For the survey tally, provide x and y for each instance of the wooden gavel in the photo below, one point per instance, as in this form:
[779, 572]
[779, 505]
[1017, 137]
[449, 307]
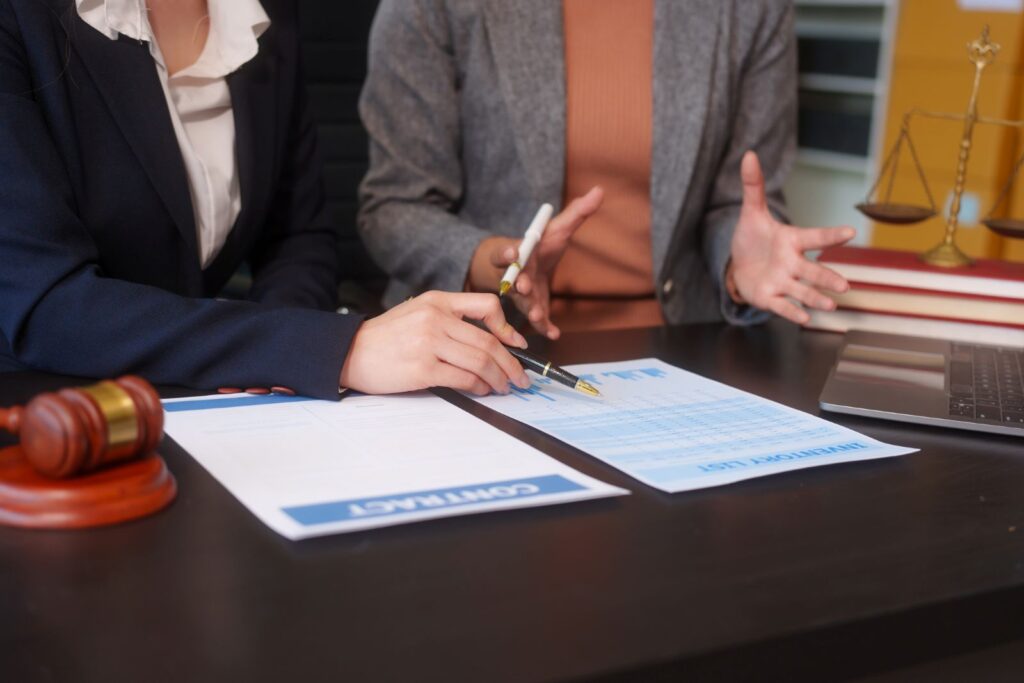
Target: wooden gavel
[74, 431]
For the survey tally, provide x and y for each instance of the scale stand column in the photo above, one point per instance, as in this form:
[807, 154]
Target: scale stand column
[946, 254]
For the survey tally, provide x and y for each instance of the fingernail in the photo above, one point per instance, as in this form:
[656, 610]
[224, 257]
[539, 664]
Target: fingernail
[524, 381]
[521, 340]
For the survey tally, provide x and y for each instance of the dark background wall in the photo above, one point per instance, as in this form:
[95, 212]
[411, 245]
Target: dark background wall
[334, 34]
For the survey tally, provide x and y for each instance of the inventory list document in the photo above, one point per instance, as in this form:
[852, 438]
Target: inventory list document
[677, 431]
[307, 467]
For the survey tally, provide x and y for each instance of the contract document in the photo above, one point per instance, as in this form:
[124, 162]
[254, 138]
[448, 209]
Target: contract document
[307, 467]
[677, 431]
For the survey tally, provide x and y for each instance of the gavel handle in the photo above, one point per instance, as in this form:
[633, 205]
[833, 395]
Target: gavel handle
[10, 419]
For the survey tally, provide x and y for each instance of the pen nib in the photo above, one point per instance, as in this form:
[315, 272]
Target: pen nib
[587, 388]
[504, 287]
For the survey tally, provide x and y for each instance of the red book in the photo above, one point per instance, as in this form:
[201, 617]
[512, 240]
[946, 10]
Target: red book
[987, 277]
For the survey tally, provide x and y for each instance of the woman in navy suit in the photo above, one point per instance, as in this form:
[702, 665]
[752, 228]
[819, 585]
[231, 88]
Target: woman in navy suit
[147, 149]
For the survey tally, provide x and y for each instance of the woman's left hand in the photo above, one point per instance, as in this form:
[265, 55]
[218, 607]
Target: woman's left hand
[768, 269]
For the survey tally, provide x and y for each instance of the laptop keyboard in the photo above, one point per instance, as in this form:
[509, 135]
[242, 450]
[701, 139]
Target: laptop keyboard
[985, 383]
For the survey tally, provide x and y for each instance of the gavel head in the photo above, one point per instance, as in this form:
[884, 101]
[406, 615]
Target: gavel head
[74, 431]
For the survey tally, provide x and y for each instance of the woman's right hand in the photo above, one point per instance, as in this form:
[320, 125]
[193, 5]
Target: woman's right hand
[425, 342]
[532, 291]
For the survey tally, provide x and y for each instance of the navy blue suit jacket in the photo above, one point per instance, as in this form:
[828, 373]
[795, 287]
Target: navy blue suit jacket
[99, 265]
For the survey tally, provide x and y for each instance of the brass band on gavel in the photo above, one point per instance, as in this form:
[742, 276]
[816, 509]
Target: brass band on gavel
[73, 431]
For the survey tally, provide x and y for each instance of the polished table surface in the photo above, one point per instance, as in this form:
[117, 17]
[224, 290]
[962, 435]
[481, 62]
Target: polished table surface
[827, 573]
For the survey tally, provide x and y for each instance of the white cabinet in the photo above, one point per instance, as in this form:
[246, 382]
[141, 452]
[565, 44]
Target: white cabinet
[844, 66]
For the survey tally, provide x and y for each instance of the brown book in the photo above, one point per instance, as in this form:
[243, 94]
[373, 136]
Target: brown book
[934, 328]
[931, 304]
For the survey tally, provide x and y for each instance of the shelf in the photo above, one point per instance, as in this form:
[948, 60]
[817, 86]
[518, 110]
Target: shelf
[840, 20]
[851, 85]
[832, 161]
[867, 29]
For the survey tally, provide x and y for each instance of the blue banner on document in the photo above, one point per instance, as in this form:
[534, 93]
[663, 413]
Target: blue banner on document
[233, 402]
[765, 461]
[430, 500]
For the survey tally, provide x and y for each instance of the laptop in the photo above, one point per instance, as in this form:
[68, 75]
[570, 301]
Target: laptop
[928, 381]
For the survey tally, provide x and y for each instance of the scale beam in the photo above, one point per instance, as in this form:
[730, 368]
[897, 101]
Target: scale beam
[933, 115]
[1000, 122]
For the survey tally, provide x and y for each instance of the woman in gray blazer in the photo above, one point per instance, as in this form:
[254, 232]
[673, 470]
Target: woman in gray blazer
[479, 111]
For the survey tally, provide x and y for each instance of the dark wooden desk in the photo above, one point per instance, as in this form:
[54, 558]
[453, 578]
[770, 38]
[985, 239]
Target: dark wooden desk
[822, 574]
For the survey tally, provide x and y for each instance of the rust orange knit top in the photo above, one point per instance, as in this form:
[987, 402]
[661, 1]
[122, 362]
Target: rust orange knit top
[605, 278]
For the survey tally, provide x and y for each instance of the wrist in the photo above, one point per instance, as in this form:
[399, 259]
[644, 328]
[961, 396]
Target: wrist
[344, 381]
[730, 285]
[348, 378]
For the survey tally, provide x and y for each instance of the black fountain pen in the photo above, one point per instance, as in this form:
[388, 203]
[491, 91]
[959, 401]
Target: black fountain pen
[545, 368]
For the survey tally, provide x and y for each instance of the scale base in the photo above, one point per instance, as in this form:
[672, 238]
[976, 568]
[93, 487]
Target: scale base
[947, 255]
[115, 494]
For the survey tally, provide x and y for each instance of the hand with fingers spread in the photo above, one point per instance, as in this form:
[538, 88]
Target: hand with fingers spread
[426, 343]
[532, 291]
[768, 269]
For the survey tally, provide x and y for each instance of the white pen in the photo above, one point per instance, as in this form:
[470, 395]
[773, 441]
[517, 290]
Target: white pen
[530, 239]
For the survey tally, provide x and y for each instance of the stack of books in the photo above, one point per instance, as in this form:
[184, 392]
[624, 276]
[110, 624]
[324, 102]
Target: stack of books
[896, 292]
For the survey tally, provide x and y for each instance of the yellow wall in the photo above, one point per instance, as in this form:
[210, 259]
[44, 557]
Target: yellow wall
[930, 71]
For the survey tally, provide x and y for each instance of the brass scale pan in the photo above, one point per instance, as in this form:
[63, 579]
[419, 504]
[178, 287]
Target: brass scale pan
[906, 214]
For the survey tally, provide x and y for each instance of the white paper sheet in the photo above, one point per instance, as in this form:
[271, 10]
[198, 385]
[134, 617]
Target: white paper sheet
[677, 431]
[307, 468]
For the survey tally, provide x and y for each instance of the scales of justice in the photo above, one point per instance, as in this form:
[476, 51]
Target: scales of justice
[981, 53]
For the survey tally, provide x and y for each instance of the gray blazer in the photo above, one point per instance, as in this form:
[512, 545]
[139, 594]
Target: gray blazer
[465, 107]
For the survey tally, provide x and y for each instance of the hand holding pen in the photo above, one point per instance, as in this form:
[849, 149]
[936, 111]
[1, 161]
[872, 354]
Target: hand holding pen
[533, 235]
[438, 339]
[530, 290]
[546, 368]
[541, 366]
